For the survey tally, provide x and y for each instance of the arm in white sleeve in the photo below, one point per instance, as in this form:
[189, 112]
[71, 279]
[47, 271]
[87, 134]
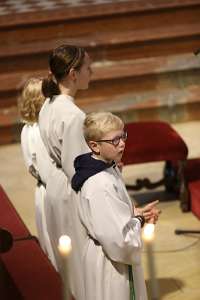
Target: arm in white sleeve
[73, 143]
[28, 145]
[112, 224]
[27, 155]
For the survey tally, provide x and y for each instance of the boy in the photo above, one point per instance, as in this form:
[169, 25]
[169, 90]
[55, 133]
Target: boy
[111, 257]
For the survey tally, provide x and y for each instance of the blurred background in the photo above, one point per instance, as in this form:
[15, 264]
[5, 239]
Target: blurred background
[144, 69]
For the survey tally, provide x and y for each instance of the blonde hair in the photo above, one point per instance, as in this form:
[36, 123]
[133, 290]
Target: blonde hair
[31, 100]
[97, 124]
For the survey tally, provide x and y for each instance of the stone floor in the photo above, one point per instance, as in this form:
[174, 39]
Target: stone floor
[176, 257]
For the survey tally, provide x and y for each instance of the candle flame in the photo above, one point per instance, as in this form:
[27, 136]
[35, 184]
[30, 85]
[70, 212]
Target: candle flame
[64, 245]
[148, 232]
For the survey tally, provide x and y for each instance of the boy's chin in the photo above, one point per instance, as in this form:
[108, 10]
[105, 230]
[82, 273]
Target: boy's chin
[118, 159]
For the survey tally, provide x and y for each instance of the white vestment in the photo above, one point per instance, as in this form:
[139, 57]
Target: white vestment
[114, 239]
[61, 123]
[35, 155]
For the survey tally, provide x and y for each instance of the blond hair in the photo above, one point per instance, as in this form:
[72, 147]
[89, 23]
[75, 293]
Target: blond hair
[31, 100]
[97, 124]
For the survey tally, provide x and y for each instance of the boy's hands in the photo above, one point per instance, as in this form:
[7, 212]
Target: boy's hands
[149, 211]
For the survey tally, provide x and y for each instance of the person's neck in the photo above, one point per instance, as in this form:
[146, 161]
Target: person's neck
[69, 91]
[98, 157]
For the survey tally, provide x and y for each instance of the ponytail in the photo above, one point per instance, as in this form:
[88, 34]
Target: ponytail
[61, 60]
[50, 87]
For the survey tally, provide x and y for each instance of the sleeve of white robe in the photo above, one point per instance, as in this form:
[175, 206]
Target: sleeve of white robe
[73, 142]
[109, 221]
[25, 146]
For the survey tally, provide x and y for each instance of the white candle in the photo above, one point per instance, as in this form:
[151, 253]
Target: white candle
[148, 236]
[65, 248]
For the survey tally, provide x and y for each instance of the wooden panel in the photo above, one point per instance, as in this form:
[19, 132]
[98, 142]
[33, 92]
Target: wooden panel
[141, 52]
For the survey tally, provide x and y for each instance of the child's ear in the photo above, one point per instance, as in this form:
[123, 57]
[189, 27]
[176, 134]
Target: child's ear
[94, 146]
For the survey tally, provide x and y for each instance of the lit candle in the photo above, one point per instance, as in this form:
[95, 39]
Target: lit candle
[148, 236]
[65, 248]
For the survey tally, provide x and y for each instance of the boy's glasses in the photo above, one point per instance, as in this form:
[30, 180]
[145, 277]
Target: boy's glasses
[116, 140]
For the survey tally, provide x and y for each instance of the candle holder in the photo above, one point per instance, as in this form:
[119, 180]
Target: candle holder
[7, 240]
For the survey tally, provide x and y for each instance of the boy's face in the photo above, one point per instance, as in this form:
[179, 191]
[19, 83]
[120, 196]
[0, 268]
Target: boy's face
[111, 146]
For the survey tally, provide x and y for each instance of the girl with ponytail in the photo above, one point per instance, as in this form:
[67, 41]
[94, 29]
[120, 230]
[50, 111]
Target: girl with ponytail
[61, 123]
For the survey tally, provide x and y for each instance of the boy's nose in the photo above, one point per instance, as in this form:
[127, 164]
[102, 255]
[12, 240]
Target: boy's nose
[122, 143]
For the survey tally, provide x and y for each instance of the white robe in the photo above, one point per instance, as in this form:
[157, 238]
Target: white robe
[107, 214]
[35, 155]
[61, 123]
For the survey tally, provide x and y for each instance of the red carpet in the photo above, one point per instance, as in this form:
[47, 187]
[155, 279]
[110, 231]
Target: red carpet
[26, 271]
